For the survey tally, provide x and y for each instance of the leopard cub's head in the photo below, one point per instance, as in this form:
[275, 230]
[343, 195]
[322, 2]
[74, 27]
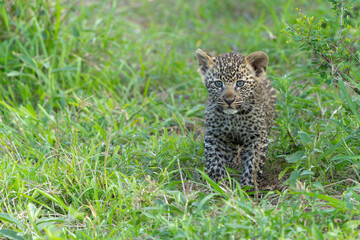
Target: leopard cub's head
[231, 77]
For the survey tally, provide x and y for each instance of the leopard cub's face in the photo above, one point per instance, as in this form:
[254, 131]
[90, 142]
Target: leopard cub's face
[231, 78]
[230, 85]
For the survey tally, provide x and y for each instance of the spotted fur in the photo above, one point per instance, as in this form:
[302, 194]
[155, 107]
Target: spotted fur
[238, 115]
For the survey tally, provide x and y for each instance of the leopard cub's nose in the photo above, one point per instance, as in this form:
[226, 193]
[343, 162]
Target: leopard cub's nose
[229, 101]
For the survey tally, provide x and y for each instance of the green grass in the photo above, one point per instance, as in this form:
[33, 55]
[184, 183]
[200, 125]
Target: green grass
[101, 120]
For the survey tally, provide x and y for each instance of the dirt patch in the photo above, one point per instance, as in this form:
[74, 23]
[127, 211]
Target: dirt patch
[270, 181]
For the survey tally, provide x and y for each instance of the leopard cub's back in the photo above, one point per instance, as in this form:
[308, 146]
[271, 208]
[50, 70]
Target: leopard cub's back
[269, 101]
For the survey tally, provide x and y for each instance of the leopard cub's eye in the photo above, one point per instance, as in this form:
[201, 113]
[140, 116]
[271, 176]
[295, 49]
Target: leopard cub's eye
[218, 83]
[240, 83]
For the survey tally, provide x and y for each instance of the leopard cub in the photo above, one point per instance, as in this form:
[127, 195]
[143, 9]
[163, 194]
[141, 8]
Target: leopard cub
[239, 113]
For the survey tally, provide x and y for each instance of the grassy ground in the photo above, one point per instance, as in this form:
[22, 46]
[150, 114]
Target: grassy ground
[101, 122]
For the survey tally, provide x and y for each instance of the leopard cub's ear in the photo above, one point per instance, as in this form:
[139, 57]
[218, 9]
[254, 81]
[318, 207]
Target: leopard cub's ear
[258, 60]
[205, 62]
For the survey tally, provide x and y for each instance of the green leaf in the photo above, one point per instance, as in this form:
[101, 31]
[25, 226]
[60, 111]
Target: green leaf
[8, 218]
[14, 73]
[347, 200]
[283, 172]
[336, 203]
[33, 211]
[45, 113]
[295, 157]
[304, 137]
[238, 226]
[57, 200]
[323, 75]
[50, 219]
[63, 69]
[334, 147]
[174, 208]
[10, 234]
[203, 201]
[116, 150]
[353, 224]
[100, 130]
[319, 186]
[306, 173]
[28, 60]
[316, 233]
[293, 177]
[46, 221]
[346, 157]
[216, 187]
[31, 111]
[349, 101]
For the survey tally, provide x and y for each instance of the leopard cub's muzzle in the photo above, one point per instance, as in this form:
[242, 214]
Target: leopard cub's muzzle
[228, 102]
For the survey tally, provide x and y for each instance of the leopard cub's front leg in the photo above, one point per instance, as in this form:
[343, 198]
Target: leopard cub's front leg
[253, 157]
[215, 166]
[219, 154]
